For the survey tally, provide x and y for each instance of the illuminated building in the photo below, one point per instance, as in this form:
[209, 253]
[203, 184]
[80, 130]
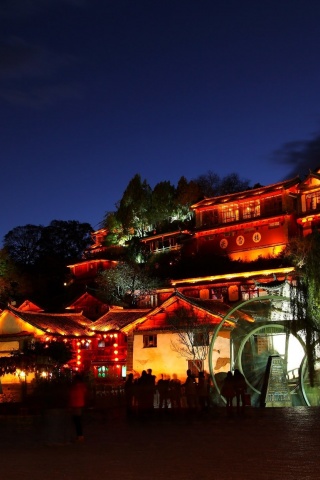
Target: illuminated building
[91, 306]
[247, 225]
[244, 226]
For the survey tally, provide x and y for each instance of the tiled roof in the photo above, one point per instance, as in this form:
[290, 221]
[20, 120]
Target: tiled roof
[215, 309]
[28, 306]
[221, 309]
[71, 324]
[116, 319]
[207, 202]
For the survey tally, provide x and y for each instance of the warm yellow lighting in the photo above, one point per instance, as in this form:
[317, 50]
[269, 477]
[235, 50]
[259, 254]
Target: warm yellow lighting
[234, 275]
[115, 352]
[115, 344]
[116, 359]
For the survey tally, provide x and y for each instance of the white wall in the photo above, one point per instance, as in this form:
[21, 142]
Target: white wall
[164, 360]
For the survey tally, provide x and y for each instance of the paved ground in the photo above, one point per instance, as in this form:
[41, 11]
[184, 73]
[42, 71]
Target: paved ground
[271, 443]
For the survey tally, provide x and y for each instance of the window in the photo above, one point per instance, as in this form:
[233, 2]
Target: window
[272, 204]
[200, 339]
[102, 372]
[313, 201]
[251, 209]
[210, 218]
[149, 341]
[230, 213]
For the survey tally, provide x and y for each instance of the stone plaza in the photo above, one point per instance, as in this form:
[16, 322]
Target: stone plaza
[265, 443]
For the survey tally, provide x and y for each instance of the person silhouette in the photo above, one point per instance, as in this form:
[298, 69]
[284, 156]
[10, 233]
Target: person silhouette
[240, 387]
[77, 401]
[129, 395]
[190, 388]
[228, 391]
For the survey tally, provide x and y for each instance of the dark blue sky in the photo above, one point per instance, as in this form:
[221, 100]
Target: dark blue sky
[94, 91]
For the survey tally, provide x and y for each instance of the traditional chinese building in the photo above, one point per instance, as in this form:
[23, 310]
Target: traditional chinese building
[156, 342]
[91, 306]
[309, 203]
[248, 225]
[21, 328]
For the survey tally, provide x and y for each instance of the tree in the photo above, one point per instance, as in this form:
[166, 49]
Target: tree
[43, 253]
[193, 335]
[212, 185]
[209, 184]
[30, 244]
[114, 229]
[135, 206]
[23, 244]
[304, 254]
[187, 193]
[232, 184]
[125, 284]
[51, 356]
[65, 240]
[162, 209]
[13, 282]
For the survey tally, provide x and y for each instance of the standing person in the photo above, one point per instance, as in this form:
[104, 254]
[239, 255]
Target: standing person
[190, 387]
[203, 393]
[150, 391]
[129, 396]
[77, 401]
[163, 389]
[228, 391]
[142, 395]
[175, 392]
[240, 390]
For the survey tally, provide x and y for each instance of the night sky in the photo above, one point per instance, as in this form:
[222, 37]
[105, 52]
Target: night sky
[94, 91]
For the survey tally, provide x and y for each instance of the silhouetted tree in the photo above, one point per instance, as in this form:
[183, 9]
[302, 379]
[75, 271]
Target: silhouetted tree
[23, 244]
[192, 333]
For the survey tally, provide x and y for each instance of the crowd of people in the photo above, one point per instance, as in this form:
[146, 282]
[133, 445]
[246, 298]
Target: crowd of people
[145, 393]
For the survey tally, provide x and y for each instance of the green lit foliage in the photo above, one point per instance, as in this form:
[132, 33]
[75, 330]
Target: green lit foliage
[134, 207]
[304, 254]
[125, 284]
[162, 206]
[165, 208]
[187, 193]
[115, 234]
